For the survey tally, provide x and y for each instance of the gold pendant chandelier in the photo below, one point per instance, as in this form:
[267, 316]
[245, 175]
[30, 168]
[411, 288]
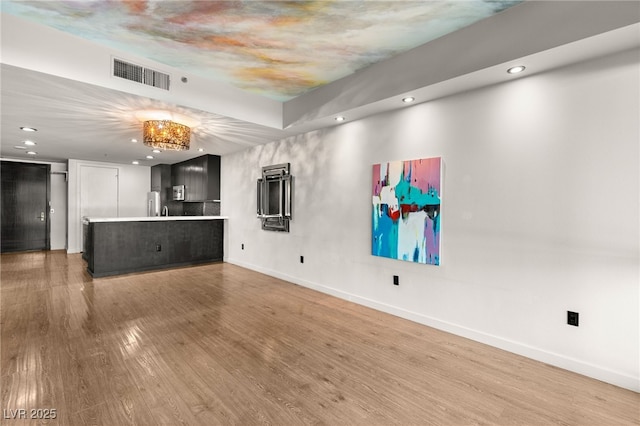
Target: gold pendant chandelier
[166, 134]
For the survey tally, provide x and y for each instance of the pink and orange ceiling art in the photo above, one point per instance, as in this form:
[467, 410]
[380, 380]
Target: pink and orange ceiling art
[279, 49]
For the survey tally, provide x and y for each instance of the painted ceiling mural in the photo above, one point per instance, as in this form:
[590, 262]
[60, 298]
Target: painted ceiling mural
[279, 49]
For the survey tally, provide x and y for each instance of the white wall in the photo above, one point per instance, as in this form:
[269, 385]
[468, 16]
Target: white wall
[539, 216]
[133, 184]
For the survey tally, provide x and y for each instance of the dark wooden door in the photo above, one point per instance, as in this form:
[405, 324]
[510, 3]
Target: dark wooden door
[24, 200]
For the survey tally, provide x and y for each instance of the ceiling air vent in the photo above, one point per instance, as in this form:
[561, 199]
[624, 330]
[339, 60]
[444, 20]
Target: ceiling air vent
[140, 74]
[156, 79]
[128, 71]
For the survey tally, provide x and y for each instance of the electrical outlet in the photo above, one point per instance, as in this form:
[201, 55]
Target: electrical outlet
[396, 280]
[158, 247]
[301, 259]
[573, 318]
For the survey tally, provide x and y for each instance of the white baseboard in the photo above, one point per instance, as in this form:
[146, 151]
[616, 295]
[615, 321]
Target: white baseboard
[557, 360]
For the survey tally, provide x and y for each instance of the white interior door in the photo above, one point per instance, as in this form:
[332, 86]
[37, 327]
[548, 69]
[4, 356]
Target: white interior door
[98, 193]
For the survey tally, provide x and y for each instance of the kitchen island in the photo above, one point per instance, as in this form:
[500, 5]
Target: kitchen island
[123, 245]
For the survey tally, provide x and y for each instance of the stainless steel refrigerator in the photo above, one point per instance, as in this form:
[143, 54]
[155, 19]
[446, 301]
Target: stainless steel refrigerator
[153, 203]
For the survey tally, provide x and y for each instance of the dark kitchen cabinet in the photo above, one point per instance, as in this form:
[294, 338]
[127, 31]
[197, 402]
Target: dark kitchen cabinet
[194, 178]
[162, 182]
[122, 247]
[177, 174]
[200, 176]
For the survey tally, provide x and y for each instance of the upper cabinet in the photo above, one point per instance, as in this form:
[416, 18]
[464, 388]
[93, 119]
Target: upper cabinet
[200, 176]
[161, 182]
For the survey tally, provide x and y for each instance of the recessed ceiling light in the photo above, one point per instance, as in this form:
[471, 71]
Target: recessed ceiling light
[408, 99]
[156, 151]
[149, 157]
[31, 152]
[134, 140]
[340, 118]
[135, 162]
[200, 149]
[29, 143]
[516, 70]
[29, 129]
[20, 147]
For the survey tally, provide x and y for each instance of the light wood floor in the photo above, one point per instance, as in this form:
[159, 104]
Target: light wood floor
[218, 344]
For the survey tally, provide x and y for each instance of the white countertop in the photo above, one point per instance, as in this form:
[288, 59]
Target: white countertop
[151, 218]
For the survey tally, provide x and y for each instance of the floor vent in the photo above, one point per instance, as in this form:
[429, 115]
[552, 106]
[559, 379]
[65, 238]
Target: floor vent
[139, 74]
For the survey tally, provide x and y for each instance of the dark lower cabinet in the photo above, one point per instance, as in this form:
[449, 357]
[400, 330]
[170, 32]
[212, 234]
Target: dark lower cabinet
[113, 248]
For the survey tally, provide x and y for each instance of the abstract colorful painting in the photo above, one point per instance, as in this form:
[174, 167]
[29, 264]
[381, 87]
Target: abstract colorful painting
[406, 210]
[279, 49]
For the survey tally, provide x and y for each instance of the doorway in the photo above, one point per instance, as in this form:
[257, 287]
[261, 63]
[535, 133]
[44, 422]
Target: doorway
[24, 199]
[98, 193]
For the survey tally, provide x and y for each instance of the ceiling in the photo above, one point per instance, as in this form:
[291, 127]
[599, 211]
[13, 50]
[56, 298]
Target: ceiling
[261, 46]
[248, 73]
